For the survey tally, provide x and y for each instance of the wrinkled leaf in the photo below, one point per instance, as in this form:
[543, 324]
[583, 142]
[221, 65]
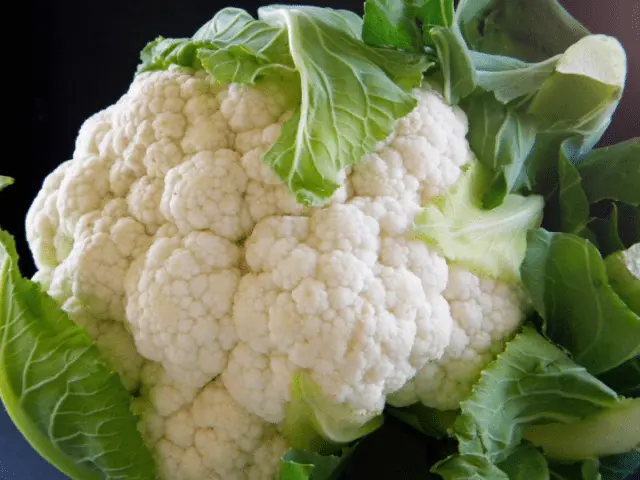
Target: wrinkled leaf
[613, 173]
[533, 383]
[501, 140]
[346, 95]
[57, 389]
[235, 27]
[567, 281]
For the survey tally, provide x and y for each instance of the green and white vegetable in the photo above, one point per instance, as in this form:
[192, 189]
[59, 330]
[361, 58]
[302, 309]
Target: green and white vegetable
[295, 229]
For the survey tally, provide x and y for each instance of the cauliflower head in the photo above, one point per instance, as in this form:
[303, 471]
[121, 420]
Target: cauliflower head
[486, 314]
[209, 288]
[204, 434]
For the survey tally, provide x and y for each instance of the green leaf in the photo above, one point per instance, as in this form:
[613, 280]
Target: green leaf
[613, 173]
[566, 279]
[393, 24]
[429, 421]
[237, 64]
[315, 61]
[401, 23]
[303, 465]
[619, 467]
[161, 53]
[459, 75]
[488, 242]
[417, 26]
[57, 389]
[574, 205]
[527, 30]
[233, 27]
[347, 93]
[525, 463]
[501, 140]
[314, 423]
[229, 29]
[624, 379]
[575, 102]
[509, 78]
[468, 467]
[5, 182]
[611, 431]
[532, 382]
[623, 270]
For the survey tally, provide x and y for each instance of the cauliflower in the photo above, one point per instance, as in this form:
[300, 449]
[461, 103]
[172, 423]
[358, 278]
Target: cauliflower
[210, 289]
[320, 298]
[203, 434]
[486, 314]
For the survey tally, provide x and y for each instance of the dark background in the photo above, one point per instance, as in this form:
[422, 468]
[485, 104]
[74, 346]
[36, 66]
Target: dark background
[82, 58]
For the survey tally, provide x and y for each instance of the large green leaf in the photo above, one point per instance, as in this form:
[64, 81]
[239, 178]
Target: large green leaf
[57, 389]
[613, 173]
[528, 30]
[531, 383]
[349, 102]
[567, 281]
[575, 102]
[502, 140]
[611, 431]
